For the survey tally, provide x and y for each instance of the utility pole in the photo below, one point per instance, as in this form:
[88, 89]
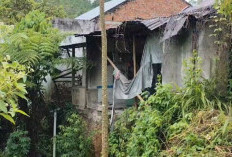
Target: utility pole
[105, 119]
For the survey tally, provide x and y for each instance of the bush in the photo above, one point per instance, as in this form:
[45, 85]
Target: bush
[144, 139]
[181, 121]
[136, 133]
[119, 138]
[18, 144]
[208, 134]
[74, 139]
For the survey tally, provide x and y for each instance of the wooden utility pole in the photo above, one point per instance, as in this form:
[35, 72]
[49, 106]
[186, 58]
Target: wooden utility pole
[105, 119]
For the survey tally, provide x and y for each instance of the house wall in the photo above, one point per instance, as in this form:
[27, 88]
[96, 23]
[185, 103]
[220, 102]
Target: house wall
[94, 83]
[214, 62]
[176, 50]
[180, 47]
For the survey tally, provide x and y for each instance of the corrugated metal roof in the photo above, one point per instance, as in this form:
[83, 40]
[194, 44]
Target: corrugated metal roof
[152, 24]
[90, 15]
[199, 11]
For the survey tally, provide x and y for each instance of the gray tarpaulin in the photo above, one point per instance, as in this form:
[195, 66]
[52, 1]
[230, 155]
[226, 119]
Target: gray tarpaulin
[128, 89]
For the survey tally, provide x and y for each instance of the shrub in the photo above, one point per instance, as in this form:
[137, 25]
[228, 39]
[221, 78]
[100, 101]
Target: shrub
[208, 134]
[181, 120]
[18, 144]
[74, 139]
[136, 133]
[122, 132]
[144, 139]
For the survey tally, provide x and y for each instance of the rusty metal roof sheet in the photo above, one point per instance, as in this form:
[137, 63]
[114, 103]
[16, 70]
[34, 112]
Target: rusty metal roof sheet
[176, 23]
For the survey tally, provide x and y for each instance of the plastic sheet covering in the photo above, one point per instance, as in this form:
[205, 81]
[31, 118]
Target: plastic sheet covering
[152, 54]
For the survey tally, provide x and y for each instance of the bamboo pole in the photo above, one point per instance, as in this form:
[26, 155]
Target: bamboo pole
[105, 119]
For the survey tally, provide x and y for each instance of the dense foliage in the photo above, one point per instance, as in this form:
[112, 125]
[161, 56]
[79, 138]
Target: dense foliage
[12, 86]
[18, 144]
[74, 8]
[35, 43]
[12, 11]
[204, 133]
[178, 121]
[73, 139]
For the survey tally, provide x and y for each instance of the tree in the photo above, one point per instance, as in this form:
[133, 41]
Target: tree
[12, 11]
[12, 86]
[73, 8]
[35, 44]
[105, 119]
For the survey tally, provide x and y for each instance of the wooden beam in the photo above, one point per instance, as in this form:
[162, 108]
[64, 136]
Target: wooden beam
[84, 70]
[68, 52]
[73, 71]
[62, 75]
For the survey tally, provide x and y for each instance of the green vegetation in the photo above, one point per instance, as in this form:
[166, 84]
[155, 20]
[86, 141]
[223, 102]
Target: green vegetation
[32, 43]
[181, 121]
[18, 144]
[12, 11]
[74, 8]
[35, 43]
[12, 86]
[193, 120]
[74, 139]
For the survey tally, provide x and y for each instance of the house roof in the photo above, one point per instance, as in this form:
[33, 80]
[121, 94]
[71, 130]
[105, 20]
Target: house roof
[146, 9]
[136, 9]
[175, 23]
[90, 15]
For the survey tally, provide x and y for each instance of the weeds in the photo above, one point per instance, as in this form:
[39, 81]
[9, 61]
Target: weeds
[182, 121]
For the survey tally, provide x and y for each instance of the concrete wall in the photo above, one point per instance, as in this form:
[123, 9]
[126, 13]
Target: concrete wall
[176, 50]
[180, 47]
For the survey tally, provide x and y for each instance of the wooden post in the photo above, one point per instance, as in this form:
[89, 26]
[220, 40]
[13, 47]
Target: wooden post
[84, 72]
[105, 118]
[135, 69]
[134, 56]
[73, 70]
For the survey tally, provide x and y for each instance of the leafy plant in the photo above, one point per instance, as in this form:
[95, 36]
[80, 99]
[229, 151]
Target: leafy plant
[12, 86]
[193, 94]
[73, 139]
[18, 144]
[207, 134]
[119, 138]
[44, 145]
[164, 118]
[144, 139]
